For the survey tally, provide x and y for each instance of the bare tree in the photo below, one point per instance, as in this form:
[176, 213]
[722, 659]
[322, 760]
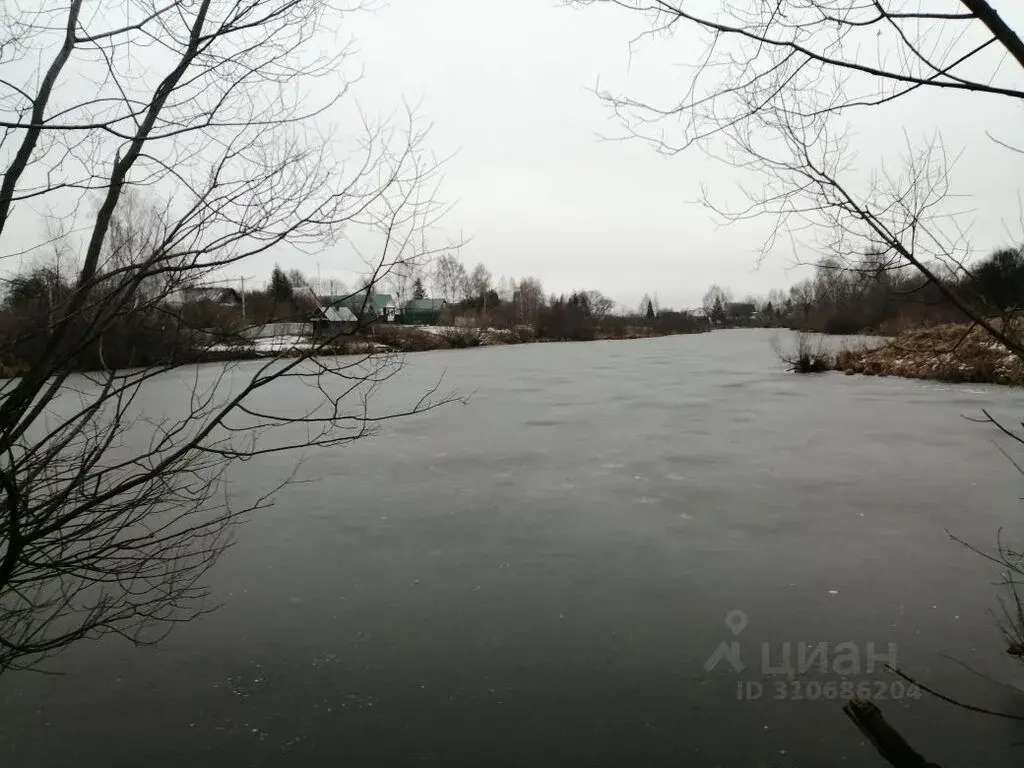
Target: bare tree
[529, 298]
[777, 88]
[113, 500]
[777, 298]
[463, 287]
[297, 278]
[400, 282]
[802, 296]
[480, 283]
[449, 277]
[600, 305]
[506, 288]
[645, 303]
[715, 301]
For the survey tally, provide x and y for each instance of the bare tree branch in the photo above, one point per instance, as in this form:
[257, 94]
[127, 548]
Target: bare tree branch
[197, 150]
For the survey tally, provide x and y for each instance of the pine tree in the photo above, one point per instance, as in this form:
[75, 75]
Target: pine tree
[280, 285]
[650, 310]
[718, 310]
[418, 291]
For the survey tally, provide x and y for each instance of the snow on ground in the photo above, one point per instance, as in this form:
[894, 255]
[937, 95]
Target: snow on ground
[436, 330]
[271, 345]
[276, 345]
[440, 330]
[284, 343]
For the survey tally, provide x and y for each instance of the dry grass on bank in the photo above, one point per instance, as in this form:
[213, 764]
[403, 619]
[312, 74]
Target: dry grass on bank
[953, 352]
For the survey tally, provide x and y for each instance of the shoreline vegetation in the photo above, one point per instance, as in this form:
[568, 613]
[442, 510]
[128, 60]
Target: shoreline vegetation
[375, 339]
[402, 339]
[171, 324]
[950, 352]
[953, 352]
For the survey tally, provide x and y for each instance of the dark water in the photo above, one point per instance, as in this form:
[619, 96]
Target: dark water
[538, 578]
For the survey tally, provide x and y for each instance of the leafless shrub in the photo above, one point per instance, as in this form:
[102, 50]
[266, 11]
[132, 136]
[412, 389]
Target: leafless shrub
[407, 339]
[808, 356]
[461, 338]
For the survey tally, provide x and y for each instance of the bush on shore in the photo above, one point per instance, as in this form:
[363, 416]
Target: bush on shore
[404, 339]
[462, 338]
[808, 356]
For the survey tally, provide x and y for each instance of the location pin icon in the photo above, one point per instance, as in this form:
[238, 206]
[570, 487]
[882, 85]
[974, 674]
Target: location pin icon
[736, 621]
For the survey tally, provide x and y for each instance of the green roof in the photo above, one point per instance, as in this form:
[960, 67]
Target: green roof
[424, 305]
[359, 301]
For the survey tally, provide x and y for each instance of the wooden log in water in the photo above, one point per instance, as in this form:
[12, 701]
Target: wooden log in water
[890, 745]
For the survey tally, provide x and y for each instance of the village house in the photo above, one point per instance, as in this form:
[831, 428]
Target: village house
[423, 311]
[223, 297]
[377, 307]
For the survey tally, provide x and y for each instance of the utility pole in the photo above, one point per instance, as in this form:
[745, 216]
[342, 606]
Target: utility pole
[243, 278]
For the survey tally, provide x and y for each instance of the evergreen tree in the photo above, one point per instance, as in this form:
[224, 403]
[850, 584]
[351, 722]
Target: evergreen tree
[718, 310]
[649, 314]
[418, 291]
[280, 285]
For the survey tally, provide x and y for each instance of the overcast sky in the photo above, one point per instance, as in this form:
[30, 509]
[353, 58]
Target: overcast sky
[508, 87]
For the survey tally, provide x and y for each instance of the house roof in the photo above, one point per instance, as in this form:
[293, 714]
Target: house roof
[198, 293]
[338, 315]
[425, 305]
[357, 301]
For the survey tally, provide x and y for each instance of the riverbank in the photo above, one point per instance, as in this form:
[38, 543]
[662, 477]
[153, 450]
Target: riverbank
[379, 339]
[954, 352]
[399, 338]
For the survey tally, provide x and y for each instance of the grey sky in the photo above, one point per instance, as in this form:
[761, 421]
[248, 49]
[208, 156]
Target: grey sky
[537, 190]
[507, 87]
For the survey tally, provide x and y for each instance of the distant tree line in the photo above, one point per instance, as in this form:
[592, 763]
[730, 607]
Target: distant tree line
[586, 315]
[875, 292]
[869, 292]
[127, 323]
[170, 321]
